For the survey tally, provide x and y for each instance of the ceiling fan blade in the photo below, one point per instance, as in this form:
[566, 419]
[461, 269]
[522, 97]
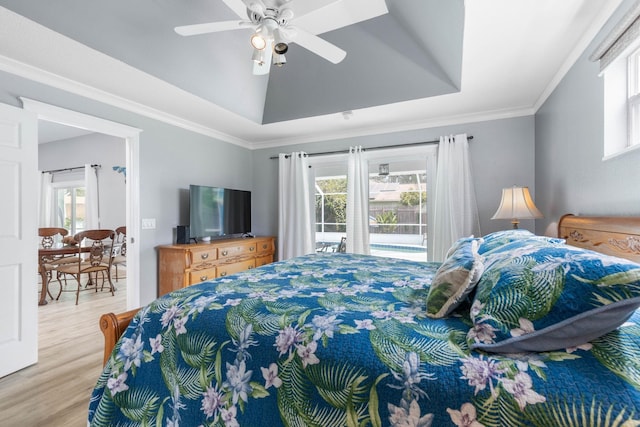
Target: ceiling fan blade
[238, 6]
[304, 7]
[336, 14]
[257, 7]
[211, 27]
[320, 47]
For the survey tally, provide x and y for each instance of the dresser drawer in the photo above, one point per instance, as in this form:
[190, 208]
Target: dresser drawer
[203, 255]
[265, 247]
[198, 276]
[236, 267]
[264, 260]
[237, 250]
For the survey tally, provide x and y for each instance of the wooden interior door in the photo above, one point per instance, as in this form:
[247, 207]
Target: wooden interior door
[18, 239]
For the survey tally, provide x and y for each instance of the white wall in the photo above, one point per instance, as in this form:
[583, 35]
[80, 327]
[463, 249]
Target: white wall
[105, 150]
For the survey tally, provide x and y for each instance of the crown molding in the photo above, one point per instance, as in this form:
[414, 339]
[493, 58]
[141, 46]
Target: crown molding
[401, 127]
[579, 49]
[39, 75]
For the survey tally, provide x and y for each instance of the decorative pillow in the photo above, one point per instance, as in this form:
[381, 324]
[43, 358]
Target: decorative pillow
[456, 277]
[499, 238]
[536, 296]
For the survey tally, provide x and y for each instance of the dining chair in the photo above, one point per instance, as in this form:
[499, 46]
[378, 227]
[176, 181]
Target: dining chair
[95, 255]
[49, 238]
[120, 249]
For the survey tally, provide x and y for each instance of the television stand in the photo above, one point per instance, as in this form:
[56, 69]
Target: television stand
[183, 265]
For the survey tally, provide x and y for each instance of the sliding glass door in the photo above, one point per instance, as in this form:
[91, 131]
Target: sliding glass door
[69, 205]
[398, 204]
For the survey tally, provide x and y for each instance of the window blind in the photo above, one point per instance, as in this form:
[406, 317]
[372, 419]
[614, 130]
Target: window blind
[625, 33]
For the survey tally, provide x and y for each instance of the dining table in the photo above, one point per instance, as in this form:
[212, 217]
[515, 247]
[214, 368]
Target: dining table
[48, 255]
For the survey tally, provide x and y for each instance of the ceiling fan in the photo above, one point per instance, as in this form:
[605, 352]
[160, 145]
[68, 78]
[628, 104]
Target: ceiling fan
[275, 25]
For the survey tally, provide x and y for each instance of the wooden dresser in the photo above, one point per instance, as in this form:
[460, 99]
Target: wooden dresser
[184, 265]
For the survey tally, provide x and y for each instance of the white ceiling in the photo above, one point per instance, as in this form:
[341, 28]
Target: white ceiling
[514, 52]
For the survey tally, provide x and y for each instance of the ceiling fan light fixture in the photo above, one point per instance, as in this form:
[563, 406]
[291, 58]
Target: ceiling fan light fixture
[258, 41]
[279, 59]
[280, 46]
[258, 56]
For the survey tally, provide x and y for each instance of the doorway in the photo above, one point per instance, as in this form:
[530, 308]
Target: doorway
[74, 119]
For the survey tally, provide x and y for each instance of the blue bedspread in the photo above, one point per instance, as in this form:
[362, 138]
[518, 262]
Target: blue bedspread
[343, 340]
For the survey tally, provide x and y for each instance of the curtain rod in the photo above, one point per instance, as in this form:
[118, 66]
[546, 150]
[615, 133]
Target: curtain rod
[409, 144]
[71, 169]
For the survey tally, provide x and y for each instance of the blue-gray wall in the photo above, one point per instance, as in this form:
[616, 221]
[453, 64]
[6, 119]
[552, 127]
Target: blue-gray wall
[571, 176]
[502, 154]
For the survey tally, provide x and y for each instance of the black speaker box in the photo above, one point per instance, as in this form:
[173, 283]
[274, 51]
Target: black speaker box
[182, 234]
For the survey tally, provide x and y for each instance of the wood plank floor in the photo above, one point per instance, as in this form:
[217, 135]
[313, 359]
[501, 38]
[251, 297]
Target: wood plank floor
[56, 391]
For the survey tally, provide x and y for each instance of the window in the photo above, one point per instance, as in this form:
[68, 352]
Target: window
[619, 57]
[397, 208]
[633, 98]
[69, 205]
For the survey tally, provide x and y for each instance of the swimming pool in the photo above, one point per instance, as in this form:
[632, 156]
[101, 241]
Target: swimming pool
[397, 248]
[389, 250]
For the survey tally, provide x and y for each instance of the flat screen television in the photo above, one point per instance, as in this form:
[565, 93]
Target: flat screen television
[216, 212]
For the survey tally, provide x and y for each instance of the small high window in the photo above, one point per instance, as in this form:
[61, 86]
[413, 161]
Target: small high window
[619, 58]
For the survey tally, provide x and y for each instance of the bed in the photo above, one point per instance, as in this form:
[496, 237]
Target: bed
[511, 329]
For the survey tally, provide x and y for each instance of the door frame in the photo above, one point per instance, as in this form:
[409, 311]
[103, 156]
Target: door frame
[131, 135]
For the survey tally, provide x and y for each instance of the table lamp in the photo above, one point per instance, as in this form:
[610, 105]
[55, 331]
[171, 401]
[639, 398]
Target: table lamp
[516, 204]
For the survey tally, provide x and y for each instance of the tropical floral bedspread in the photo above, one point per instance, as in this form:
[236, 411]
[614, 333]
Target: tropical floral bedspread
[343, 340]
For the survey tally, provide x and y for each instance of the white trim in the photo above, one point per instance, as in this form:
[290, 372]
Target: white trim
[621, 153]
[50, 79]
[131, 135]
[398, 127]
[52, 113]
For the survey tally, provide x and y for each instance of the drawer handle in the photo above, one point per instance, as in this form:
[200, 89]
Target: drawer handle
[204, 256]
[203, 278]
[223, 273]
[250, 267]
[251, 249]
[225, 253]
[264, 246]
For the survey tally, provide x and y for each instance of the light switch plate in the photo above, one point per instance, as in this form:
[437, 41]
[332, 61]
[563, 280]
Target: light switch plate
[148, 223]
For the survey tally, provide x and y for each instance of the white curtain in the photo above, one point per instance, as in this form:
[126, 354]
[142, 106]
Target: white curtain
[92, 201]
[45, 201]
[294, 223]
[357, 203]
[455, 208]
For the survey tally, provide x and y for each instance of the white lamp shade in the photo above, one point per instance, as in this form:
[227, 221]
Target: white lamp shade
[517, 204]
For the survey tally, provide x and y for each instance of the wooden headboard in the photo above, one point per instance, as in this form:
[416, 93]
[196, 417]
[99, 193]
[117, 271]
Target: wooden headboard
[611, 235]
[617, 236]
